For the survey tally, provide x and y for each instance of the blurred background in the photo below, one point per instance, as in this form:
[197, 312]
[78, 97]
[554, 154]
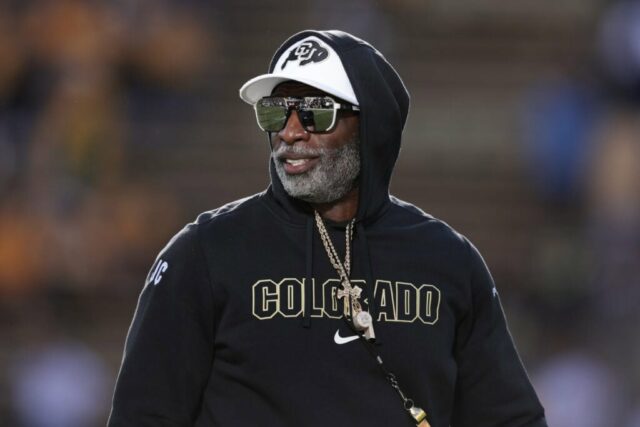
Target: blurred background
[120, 121]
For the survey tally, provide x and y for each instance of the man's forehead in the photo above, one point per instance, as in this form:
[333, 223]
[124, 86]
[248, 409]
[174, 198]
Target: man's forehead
[297, 89]
[294, 88]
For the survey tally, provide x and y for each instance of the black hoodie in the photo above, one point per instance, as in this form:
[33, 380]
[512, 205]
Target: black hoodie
[238, 323]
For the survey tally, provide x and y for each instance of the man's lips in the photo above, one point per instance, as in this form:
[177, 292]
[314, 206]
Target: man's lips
[296, 164]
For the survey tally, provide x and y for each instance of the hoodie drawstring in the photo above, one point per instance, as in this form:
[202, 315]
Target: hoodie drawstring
[306, 317]
[366, 264]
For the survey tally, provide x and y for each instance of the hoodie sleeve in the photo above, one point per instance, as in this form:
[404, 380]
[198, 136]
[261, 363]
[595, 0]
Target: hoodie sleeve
[169, 347]
[492, 388]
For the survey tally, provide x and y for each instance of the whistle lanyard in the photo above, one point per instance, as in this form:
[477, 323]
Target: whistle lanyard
[418, 415]
[359, 320]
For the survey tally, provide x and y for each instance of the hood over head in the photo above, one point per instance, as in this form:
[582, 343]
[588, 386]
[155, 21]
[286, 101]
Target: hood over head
[372, 84]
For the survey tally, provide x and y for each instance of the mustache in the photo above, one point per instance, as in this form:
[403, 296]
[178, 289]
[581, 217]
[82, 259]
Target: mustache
[312, 152]
[298, 150]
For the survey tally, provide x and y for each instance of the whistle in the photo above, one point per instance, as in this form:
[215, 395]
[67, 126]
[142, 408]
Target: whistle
[364, 322]
[419, 416]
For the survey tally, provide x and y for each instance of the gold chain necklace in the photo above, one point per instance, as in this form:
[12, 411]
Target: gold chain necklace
[349, 294]
[361, 319]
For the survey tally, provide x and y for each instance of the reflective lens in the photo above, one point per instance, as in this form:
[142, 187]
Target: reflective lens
[316, 113]
[323, 119]
[271, 115]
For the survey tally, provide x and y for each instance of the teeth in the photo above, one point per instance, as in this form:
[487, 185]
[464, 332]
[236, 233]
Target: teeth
[297, 162]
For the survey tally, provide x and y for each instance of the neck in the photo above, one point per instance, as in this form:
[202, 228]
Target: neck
[343, 209]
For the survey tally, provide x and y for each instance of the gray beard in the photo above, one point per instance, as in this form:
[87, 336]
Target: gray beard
[334, 175]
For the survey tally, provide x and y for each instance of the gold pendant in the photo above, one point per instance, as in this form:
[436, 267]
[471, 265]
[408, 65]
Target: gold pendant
[344, 295]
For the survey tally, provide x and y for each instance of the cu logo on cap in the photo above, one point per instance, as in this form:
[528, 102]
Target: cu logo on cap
[307, 52]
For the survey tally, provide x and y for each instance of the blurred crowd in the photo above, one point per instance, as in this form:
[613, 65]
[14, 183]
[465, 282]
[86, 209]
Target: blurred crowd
[83, 83]
[582, 139]
[75, 219]
[72, 74]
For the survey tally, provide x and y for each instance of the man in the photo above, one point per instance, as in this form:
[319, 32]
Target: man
[323, 301]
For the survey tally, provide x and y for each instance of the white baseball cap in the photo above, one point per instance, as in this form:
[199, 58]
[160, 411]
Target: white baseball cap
[310, 61]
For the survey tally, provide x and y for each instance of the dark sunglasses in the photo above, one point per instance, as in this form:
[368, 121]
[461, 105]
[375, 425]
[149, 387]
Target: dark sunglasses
[316, 113]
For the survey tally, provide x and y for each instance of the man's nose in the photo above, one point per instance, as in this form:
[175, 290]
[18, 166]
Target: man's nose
[293, 130]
